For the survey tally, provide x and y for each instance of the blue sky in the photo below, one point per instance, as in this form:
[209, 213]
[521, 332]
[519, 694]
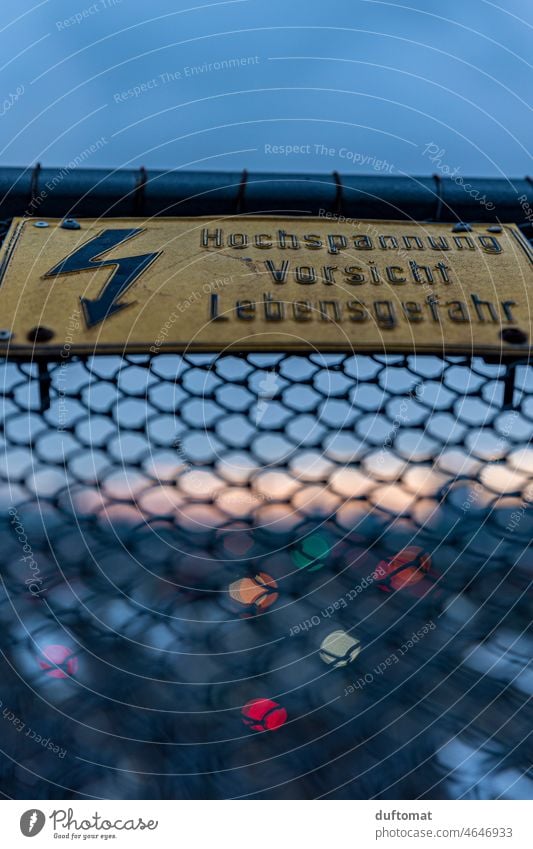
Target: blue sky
[351, 85]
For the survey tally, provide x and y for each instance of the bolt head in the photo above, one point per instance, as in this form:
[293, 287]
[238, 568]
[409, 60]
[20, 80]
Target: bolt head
[70, 224]
[40, 334]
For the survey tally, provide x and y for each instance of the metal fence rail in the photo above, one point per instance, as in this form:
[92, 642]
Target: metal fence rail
[91, 192]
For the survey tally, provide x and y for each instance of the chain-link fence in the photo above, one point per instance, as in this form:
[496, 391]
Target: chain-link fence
[341, 541]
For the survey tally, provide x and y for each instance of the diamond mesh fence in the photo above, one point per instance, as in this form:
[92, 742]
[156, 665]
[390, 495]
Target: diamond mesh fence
[266, 576]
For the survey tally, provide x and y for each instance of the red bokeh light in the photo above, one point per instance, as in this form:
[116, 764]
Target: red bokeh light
[58, 661]
[406, 569]
[264, 715]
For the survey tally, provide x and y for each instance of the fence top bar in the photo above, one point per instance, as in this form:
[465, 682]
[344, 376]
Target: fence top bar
[57, 192]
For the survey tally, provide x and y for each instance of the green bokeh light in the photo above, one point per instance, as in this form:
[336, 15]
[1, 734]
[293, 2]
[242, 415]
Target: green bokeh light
[312, 552]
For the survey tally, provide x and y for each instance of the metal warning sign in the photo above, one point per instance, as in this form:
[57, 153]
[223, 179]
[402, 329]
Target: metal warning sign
[264, 284]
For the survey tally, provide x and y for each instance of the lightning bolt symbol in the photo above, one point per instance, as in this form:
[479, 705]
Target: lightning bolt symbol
[126, 270]
[33, 820]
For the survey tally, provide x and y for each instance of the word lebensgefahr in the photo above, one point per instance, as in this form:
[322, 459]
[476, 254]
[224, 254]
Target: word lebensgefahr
[386, 313]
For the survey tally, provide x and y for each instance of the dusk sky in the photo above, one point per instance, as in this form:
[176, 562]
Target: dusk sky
[357, 86]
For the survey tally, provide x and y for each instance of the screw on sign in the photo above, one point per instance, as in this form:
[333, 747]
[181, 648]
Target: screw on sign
[339, 649]
[259, 591]
[263, 715]
[58, 661]
[406, 569]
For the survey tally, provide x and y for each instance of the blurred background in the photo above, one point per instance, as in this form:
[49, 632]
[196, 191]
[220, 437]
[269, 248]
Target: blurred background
[261, 575]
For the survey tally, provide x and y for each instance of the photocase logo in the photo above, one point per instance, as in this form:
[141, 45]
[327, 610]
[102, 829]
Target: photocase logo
[32, 822]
